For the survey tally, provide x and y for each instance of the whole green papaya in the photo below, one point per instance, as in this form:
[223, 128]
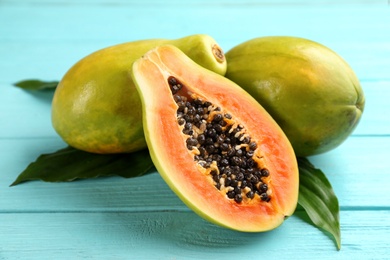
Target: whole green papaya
[312, 93]
[96, 107]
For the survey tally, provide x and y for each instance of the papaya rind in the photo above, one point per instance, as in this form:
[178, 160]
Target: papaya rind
[96, 107]
[311, 91]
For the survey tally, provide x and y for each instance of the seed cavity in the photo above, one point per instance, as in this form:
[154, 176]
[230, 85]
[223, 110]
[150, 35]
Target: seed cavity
[174, 84]
[221, 146]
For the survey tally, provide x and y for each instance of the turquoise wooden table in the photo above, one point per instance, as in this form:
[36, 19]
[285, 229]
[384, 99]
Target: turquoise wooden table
[140, 218]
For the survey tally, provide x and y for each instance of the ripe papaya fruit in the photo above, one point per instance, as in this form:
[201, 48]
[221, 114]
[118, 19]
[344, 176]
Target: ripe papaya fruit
[214, 144]
[312, 93]
[96, 107]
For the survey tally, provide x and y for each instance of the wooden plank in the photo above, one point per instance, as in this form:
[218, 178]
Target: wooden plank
[375, 118]
[349, 170]
[52, 53]
[357, 172]
[25, 114]
[184, 235]
[204, 2]
[112, 193]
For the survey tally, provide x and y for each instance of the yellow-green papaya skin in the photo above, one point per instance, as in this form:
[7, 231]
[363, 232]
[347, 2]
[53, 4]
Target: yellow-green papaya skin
[312, 93]
[96, 107]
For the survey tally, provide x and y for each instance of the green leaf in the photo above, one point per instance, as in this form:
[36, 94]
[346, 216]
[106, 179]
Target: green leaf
[34, 84]
[318, 199]
[69, 164]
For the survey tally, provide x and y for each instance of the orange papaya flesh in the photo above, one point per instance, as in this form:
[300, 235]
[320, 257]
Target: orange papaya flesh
[166, 78]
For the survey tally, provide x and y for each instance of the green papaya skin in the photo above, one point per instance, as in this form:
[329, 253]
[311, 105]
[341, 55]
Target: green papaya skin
[96, 107]
[312, 93]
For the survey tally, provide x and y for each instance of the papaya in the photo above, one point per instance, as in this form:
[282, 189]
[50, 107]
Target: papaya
[215, 146]
[311, 91]
[96, 107]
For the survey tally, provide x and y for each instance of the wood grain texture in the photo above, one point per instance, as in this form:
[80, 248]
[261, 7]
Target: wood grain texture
[349, 179]
[141, 218]
[183, 235]
[58, 33]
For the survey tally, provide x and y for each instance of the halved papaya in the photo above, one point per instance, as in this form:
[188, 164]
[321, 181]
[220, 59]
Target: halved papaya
[214, 145]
